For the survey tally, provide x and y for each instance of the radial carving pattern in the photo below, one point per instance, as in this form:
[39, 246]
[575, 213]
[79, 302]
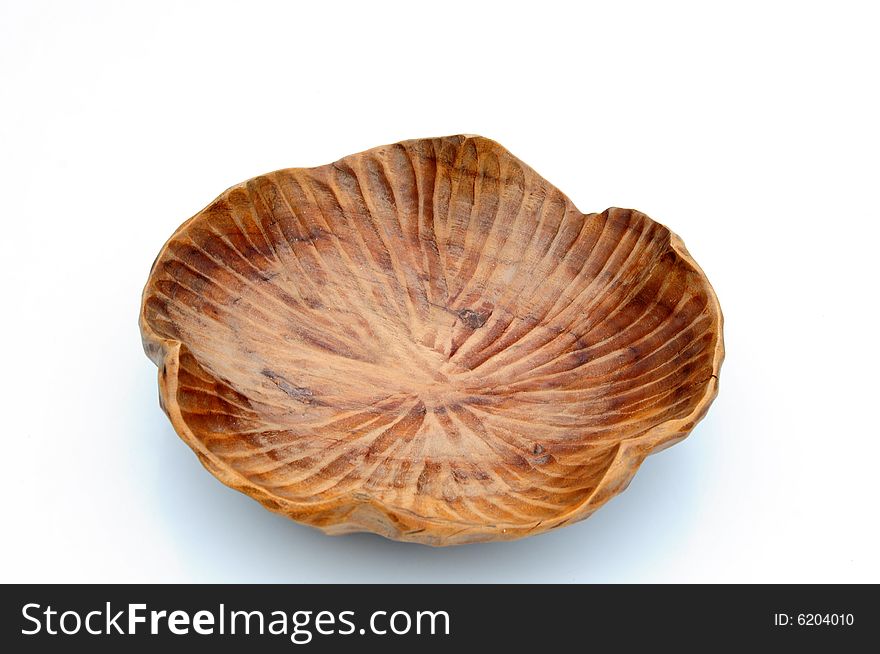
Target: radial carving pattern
[429, 341]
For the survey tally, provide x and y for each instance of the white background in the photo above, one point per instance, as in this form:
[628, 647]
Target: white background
[751, 130]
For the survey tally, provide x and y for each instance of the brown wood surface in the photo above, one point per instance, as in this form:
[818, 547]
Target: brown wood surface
[428, 341]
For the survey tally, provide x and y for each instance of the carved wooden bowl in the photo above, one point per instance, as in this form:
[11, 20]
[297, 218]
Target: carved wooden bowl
[428, 341]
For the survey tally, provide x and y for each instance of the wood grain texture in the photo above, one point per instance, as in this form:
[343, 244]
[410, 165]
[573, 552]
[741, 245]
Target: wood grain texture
[428, 341]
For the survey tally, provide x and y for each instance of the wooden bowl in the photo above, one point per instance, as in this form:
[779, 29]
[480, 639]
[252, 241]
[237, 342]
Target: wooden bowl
[428, 341]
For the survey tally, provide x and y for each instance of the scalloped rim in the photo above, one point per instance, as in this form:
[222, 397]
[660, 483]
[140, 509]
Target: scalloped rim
[357, 514]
